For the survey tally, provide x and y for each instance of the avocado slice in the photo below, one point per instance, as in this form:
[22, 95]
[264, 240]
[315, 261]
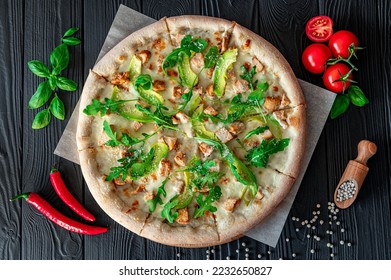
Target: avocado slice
[186, 74]
[135, 67]
[224, 62]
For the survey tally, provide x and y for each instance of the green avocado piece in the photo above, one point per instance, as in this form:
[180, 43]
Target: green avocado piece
[186, 74]
[219, 74]
[161, 151]
[135, 67]
[186, 197]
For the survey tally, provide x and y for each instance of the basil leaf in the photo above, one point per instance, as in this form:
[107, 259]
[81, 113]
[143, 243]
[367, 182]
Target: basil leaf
[357, 97]
[57, 108]
[42, 119]
[53, 82]
[70, 31]
[71, 41]
[41, 95]
[144, 81]
[340, 105]
[211, 57]
[59, 59]
[66, 84]
[38, 68]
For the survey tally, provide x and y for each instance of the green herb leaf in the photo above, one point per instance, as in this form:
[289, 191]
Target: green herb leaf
[57, 108]
[42, 119]
[113, 142]
[41, 95]
[59, 59]
[126, 163]
[70, 31]
[157, 198]
[168, 213]
[259, 156]
[357, 97]
[66, 84]
[256, 131]
[52, 82]
[158, 117]
[170, 60]
[38, 68]
[206, 204]
[96, 106]
[248, 76]
[71, 41]
[211, 57]
[144, 81]
[256, 97]
[340, 105]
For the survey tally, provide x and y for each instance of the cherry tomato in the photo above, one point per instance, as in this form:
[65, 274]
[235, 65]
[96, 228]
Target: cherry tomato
[339, 43]
[315, 57]
[319, 29]
[333, 75]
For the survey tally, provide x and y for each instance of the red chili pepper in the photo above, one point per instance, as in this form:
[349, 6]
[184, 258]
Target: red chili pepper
[67, 197]
[52, 214]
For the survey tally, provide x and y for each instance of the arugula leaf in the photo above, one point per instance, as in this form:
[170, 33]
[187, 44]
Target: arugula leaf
[112, 135]
[168, 208]
[126, 163]
[206, 204]
[38, 68]
[256, 131]
[157, 198]
[259, 156]
[144, 81]
[157, 116]
[248, 76]
[57, 108]
[109, 104]
[256, 97]
[187, 45]
[211, 57]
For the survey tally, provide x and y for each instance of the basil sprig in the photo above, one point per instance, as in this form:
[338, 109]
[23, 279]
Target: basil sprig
[342, 102]
[59, 61]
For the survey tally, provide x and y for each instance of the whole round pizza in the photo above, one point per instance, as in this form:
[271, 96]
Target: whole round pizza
[191, 131]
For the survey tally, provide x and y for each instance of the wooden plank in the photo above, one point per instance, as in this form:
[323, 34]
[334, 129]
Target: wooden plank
[367, 218]
[11, 44]
[41, 239]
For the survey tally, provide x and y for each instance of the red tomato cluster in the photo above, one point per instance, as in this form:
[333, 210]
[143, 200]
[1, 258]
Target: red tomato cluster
[315, 57]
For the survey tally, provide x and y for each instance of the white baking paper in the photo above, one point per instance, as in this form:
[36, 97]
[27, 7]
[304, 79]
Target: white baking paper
[319, 102]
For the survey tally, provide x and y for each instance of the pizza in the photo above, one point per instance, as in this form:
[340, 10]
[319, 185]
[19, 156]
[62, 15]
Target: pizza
[191, 131]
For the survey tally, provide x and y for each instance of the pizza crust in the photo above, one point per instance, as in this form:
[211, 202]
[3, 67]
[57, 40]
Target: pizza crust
[219, 227]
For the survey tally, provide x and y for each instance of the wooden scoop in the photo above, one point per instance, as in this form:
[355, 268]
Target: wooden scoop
[353, 177]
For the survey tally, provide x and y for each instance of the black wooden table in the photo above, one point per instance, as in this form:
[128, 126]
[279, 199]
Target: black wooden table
[31, 29]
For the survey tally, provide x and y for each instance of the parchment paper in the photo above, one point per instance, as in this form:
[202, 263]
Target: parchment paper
[319, 102]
